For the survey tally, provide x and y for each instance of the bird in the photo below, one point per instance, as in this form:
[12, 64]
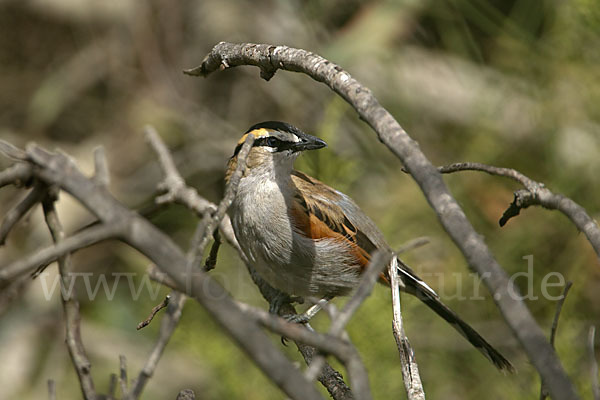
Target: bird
[305, 238]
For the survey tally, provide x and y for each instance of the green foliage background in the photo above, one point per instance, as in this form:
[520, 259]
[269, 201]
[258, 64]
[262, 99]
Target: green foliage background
[511, 83]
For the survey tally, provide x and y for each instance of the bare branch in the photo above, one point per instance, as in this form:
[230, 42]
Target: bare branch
[173, 183]
[413, 244]
[101, 173]
[178, 192]
[559, 305]
[536, 194]
[12, 152]
[168, 324]
[498, 171]
[16, 213]
[153, 312]
[410, 369]
[88, 237]
[227, 200]
[158, 276]
[368, 280]
[326, 342]
[70, 304]
[18, 174]
[331, 379]
[593, 363]
[123, 376]
[270, 58]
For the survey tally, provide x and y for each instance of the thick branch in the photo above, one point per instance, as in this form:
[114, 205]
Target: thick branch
[270, 58]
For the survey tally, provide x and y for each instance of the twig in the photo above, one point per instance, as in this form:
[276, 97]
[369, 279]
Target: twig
[498, 171]
[70, 304]
[158, 276]
[154, 311]
[270, 58]
[536, 193]
[51, 389]
[88, 237]
[173, 183]
[227, 200]
[123, 376]
[593, 363]
[326, 342]
[12, 152]
[167, 327]
[101, 173]
[171, 319]
[413, 244]
[199, 240]
[177, 191]
[18, 174]
[410, 369]
[16, 213]
[559, 305]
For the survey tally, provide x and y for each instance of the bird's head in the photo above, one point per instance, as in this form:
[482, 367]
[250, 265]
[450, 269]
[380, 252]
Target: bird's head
[276, 146]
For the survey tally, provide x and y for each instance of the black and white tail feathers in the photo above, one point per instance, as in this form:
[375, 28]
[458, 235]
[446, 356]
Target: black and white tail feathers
[415, 286]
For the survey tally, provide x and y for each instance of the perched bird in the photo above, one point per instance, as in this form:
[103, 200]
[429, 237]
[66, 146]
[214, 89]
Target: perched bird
[305, 238]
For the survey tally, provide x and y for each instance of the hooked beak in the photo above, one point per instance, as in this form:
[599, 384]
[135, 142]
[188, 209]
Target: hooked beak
[309, 142]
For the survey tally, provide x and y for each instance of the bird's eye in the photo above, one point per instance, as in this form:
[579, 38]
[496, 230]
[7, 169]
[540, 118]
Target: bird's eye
[272, 141]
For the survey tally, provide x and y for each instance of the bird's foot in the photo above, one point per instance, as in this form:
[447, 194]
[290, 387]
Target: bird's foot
[282, 299]
[308, 314]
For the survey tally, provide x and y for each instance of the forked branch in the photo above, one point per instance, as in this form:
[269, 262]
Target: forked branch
[536, 194]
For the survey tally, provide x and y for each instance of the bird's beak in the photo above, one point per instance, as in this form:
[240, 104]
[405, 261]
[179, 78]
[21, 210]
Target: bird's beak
[308, 142]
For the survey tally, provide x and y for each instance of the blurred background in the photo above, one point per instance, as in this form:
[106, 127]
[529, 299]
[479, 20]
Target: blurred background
[512, 83]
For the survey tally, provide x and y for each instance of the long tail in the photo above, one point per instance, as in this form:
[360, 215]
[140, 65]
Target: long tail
[416, 287]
